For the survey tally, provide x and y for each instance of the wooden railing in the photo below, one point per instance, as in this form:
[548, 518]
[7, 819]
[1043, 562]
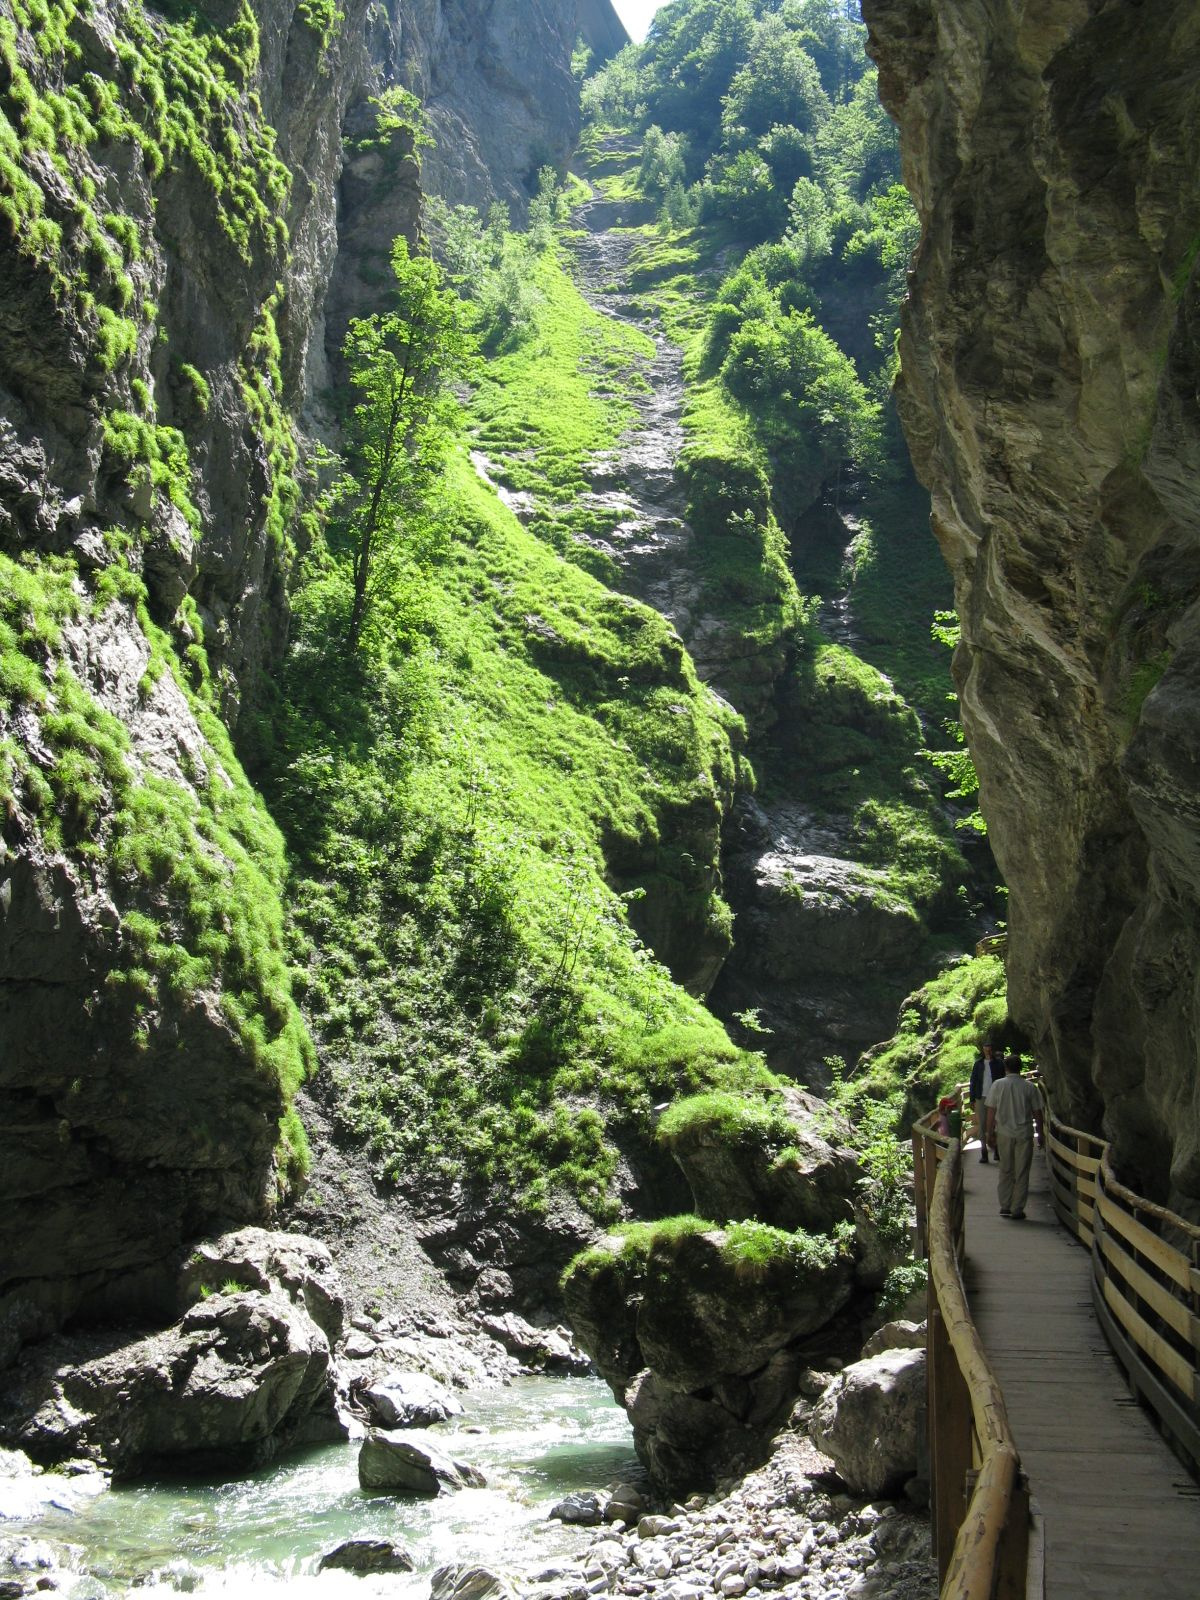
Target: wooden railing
[1145, 1280]
[979, 1498]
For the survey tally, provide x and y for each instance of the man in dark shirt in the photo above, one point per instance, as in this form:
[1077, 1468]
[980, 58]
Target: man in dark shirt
[986, 1070]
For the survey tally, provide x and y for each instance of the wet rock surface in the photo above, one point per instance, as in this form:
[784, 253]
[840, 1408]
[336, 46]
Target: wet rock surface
[392, 1461]
[1050, 354]
[368, 1555]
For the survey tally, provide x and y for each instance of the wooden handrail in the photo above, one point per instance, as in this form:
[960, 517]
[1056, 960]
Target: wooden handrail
[1146, 1291]
[1145, 1285]
[982, 1540]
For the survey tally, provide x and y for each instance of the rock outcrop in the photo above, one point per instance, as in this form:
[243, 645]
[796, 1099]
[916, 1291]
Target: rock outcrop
[1050, 353]
[703, 1331]
[245, 1371]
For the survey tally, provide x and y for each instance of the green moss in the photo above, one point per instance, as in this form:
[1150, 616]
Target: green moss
[152, 454]
[729, 1117]
[1142, 680]
[756, 1248]
[937, 1037]
[323, 17]
[752, 1250]
[262, 391]
[198, 870]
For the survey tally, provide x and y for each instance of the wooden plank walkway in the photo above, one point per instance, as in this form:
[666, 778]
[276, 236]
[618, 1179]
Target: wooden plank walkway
[1122, 1515]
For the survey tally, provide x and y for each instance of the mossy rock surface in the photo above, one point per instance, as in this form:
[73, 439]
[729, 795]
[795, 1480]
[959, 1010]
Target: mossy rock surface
[785, 1162]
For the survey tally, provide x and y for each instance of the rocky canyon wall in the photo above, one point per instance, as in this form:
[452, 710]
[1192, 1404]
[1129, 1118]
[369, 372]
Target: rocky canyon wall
[1049, 392]
[175, 199]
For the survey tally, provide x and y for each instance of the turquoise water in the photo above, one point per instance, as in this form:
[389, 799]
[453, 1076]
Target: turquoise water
[540, 1439]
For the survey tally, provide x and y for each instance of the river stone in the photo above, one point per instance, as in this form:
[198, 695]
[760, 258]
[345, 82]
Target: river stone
[895, 1336]
[408, 1400]
[625, 1504]
[584, 1507]
[868, 1421]
[368, 1555]
[470, 1583]
[394, 1462]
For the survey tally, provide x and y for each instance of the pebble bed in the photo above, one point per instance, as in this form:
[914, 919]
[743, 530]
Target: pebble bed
[782, 1531]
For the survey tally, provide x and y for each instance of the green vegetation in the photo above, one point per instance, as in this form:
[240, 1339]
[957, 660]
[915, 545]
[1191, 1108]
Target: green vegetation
[404, 363]
[515, 767]
[937, 1037]
[779, 268]
[196, 863]
[449, 794]
[750, 1249]
[734, 1118]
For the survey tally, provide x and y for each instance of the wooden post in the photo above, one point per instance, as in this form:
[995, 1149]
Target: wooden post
[929, 1157]
[920, 1198]
[950, 1461]
[1013, 1556]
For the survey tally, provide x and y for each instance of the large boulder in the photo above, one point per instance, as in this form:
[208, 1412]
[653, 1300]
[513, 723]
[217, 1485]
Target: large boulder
[786, 1160]
[407, 1400]
[697, 1331]
[245, 1371]
[394, 1462]
[868, 1421]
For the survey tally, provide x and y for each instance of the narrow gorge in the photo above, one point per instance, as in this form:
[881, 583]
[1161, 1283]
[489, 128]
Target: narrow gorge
[490, 861]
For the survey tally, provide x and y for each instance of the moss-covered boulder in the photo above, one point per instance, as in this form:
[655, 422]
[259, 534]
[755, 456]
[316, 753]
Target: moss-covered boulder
[697, 1330]
[786, 1161]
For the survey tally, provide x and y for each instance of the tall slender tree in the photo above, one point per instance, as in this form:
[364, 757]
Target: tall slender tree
[404, 364]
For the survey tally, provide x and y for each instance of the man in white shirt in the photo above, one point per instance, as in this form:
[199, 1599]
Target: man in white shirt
[1014, 1110]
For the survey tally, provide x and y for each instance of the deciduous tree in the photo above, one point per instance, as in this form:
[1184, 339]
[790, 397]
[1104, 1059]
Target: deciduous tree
[403, 363]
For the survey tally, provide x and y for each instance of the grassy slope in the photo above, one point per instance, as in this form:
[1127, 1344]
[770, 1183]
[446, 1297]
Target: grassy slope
[478, 997]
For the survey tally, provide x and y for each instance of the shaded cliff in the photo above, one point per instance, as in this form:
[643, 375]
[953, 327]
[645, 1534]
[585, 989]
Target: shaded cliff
[1050, 365]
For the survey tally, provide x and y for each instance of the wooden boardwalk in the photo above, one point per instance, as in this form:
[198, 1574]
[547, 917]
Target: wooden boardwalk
[1122, 1516]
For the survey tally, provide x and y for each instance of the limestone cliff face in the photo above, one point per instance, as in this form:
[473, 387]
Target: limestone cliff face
[170, 226]
[1050, 367]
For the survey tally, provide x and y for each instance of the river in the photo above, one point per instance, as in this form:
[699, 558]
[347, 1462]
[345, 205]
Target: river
[537, 1440]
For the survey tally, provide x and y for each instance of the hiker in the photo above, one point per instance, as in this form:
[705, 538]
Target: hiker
[986, 1070]
[1014, 1110]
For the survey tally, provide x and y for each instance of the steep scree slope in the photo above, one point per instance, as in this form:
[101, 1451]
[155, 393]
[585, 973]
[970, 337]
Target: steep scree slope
[1050, 364]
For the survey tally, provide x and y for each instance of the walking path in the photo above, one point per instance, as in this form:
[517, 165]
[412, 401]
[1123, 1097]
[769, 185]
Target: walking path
[1122, 1516]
